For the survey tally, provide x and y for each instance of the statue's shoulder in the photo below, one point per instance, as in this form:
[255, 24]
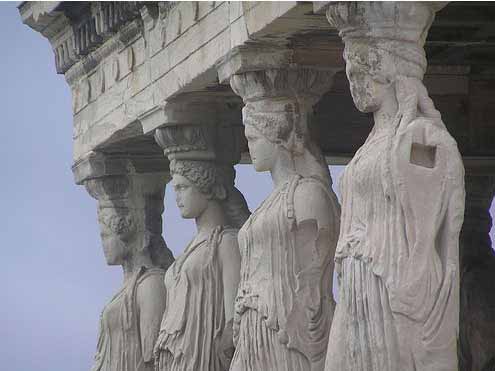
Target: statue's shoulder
[228, 246]
[312, 201]
[228, 237]
[435, 134]
[229, 232]
[432, 129]
[150, 278]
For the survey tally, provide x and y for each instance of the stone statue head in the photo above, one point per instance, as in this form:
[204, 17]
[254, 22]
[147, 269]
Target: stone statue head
[273, 127]
[384, 50]
[198, 183]
[276, 116]
[278, 130]
[371, 74]
[129, 213]
[119, 233]
[201, 164]
[263, 151]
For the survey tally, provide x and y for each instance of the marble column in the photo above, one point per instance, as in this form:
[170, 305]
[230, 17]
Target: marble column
[200, 135]
[477, 258]
[287, 246]
[130, 207]
[403, 202]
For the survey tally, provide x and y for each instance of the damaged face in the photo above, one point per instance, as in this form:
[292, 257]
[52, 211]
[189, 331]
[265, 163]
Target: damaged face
[369, 72]
[118, 230]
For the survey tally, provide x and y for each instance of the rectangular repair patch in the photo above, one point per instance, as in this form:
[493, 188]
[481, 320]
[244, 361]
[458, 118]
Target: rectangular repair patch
[422, 155]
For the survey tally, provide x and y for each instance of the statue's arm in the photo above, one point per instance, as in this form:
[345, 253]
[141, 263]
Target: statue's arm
[230, 259]
[311, 202]
[150, 298]
[316, 226]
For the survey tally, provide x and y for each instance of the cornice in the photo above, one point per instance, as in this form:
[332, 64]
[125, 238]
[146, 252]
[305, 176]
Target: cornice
[77, 36]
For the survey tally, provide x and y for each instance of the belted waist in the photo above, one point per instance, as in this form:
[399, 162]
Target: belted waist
[246, 298]
[250, 298]
[352, 242]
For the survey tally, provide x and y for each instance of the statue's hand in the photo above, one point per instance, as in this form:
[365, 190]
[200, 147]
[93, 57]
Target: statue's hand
[226, 346]
[235, 330]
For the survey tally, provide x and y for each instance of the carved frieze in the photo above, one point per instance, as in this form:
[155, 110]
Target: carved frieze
[90, 28]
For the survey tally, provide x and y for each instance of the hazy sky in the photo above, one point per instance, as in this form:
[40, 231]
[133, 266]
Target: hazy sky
[55, 277]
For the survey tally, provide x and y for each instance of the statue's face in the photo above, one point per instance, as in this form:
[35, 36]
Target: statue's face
[118, 231]
[369, 78]
[263, 152]
[366, 92]
[190, 200]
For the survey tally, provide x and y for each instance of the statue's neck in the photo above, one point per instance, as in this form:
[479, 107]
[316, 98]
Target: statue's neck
[132, 264]
[212, 217]
[384, 117]
[283, 169]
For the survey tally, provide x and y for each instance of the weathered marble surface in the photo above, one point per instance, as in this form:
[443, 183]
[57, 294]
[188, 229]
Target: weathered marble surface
[402, 202]
[284, 304]
[157, 50]
[120, 68]
[129, 212]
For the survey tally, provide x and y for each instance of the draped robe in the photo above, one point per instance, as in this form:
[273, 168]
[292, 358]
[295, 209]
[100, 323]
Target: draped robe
[194, 320]
[120, 341]
[397, 255]
[284, 304]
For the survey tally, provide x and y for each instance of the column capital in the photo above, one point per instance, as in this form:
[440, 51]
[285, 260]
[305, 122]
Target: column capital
[129, 191]
[396, 28]
[124, 181]
[99, 165]
[301, 84]
[194, 108]
[408, 21]
[391, 18]
[318, 54]
[201, 126]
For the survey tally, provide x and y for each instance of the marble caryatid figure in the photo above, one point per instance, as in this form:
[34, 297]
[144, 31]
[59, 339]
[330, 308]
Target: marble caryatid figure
[196, 330]
[284, 304]
[129, 212]
[403, 202]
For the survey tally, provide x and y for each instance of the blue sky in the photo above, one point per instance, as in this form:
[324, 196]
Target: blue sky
[55, 277]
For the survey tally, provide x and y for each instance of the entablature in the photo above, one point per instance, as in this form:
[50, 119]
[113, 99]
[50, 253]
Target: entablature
[124, 61]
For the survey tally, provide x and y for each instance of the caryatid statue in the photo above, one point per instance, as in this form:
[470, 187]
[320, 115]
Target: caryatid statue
[284, 304]
[402, 202]
[129, 211]
[196, 331]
